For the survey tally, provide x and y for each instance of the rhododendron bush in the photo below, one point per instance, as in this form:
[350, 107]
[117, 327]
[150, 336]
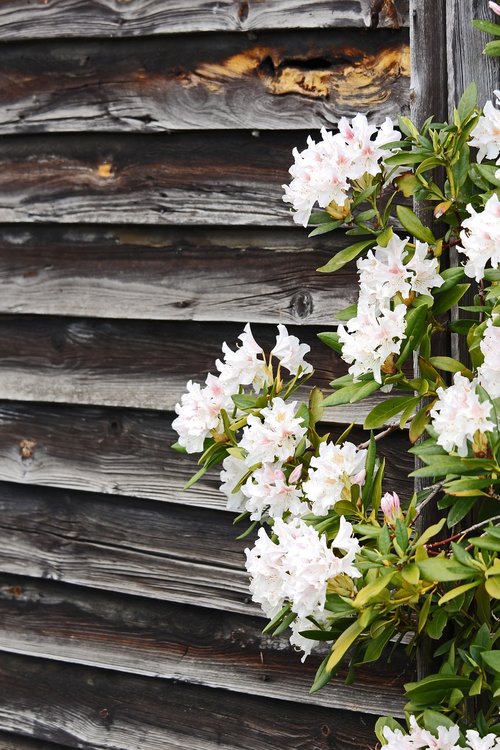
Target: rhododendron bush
[337, 556]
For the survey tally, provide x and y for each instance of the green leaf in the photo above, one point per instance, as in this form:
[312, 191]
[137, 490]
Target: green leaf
[447, 364]
[488, 172]
[343, 644]
[435, 719]
[178, 447]
[486, 26]
[418, 424]
[244, 401]
[492, 49]
[492, 586]
[195, 477]
[276, 619]
[416, 325]
[467, 102]
[321, 678]
[386, 721]
[344, 256]
[411, 574]
[459, 510]
[486, 542]
[458, 591]
[382, 412]
[437, 624]
[343, 395]
[443, 569]
[372, 590]
[331, 339]
[412, 224]
[444, 301]
[376, 645]
[401, 534]
[492, 659]
[405, 157]
[325, 228]
[434, 688]
[347, 313]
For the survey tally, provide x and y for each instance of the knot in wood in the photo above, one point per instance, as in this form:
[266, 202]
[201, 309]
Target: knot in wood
[301, 304]
[26, 449]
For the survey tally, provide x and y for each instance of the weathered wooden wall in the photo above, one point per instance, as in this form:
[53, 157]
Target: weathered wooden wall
[143, 146]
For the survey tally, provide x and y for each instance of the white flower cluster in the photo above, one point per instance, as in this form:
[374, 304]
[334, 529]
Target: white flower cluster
[296, 569]
[199, 412]
[486, 134]
[480, 238]
[489, 372]
[446, 739]
[377, 331]
[459, 414]
[333, 471]
[322, 172]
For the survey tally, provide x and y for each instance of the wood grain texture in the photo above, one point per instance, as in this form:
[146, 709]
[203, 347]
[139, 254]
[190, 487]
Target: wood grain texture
[201, 646]
[294, 80]
[126, 452]
[164, 551]
[95, 710]
[168, 273]
[17, 742]
[137, 364]
[465, 45]
[192, 178]
[69, 18]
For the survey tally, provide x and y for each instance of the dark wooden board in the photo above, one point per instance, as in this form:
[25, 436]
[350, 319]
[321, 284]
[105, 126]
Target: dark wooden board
[94, 709]
[168, 273]
[294, 80]
[137, 364]
[200, 646]
[70, 18]
[16, 742]
[126, 452]
[212, 178]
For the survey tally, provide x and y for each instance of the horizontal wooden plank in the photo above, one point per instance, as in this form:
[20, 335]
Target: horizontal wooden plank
[94, 709]
[201, 646]
[295, 80]
[169, 273]
[126, 452]
[211, 178]
[17, 742]
[137, 364]
[19, 20]
[150, 549]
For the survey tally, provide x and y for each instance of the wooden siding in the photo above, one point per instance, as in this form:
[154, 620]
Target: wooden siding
[143, 146]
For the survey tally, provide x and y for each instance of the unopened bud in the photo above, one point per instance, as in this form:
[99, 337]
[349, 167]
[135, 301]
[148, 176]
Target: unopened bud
[391, 507]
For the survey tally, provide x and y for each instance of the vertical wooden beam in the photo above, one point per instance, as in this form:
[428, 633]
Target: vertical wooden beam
[465, 45]
[428, 96]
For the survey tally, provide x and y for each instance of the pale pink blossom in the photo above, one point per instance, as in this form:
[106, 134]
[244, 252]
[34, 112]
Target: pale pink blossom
[275, 436]
[268, 490]
[486, 134]
[495, 7]
[425, 270]
[489, 371]
[459, 414]
[480, 238]
[233, 471]
[390, 505]
[199, 413]
[332, 473]
[290, 352]
[244, 366]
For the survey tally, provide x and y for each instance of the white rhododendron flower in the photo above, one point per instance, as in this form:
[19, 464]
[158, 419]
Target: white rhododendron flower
[445, 738]
[425, 270]
[333, 471]
[370, 338]
[386, 272]
[480, 238]
[322, 171]
[301, 643]
[489, 372]
[199, 413]
[233, 471]
[291, 352]
[297, 569]
[486, 134]
[459, 414]
[276, 437]
[245, 366]
[269, 490]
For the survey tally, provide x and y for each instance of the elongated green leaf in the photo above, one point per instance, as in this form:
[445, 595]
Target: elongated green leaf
[486, 26]
[413, 224]
[344, 256]
[458, 591]
[430, 532]
[343, 644]
[468, 101]
[367, 593]
[444, 301]
[325, 228]
[381, 413]
[443, 569]
[377, 645]
[447, 364]
[343, 395]
[434, 688]
[347, 313]
[321, 678]
[492, 659]
[331, 339]
[492, 49]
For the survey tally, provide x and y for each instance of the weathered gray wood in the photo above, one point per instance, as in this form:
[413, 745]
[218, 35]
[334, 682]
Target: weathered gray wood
[193, 178]
[126, 452]
[63, 18]
[93, 709]
[16, 742]
[156, 550]
[256, 275]
[137, 364]
[148, 637]
[465, 45]
[295, 80]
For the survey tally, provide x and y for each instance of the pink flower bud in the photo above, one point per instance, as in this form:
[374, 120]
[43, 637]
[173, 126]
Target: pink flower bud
[359, 478]
[495, 7]
[295, 475]
[391, 507]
